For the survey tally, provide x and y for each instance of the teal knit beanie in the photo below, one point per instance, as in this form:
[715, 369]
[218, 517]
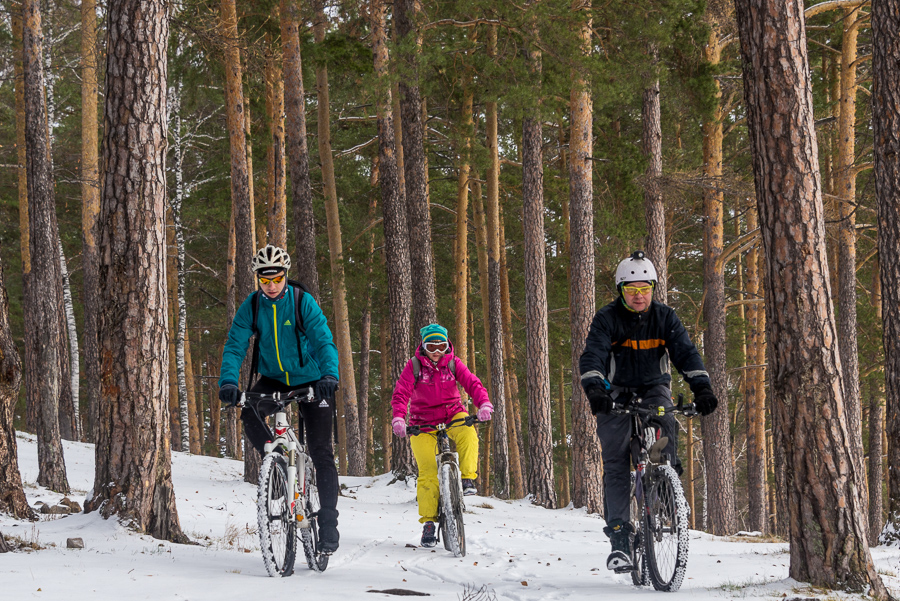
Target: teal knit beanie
[433, 333]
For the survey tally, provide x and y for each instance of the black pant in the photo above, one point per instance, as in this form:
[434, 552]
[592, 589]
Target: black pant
[614, 432]
[318, 417]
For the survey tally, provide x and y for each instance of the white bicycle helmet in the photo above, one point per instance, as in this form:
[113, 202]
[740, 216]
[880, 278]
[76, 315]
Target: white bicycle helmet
[270, 260]
[636, 268]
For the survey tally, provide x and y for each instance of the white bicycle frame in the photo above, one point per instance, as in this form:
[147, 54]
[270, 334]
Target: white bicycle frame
[296, 456]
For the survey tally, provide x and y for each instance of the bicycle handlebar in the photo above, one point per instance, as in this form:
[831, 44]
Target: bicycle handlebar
[300, 395]
[633, 406]
[469, 420]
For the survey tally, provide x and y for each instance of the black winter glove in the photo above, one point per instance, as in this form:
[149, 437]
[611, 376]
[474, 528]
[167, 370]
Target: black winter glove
[326, 387]
[229, 395]
[600, 400]
[705, 401]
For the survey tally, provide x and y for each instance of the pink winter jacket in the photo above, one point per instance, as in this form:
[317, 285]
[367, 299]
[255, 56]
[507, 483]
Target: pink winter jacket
[435, 399]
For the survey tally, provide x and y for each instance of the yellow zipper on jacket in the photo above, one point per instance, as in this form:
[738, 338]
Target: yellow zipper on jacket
[287, 377]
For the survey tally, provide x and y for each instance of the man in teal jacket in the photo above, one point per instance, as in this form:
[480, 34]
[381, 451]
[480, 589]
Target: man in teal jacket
[289, 358]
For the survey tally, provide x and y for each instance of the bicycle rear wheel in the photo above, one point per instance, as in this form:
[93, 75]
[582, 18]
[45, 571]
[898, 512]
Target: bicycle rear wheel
[277, 529]
[316, 560]
[666, 529]
[452, 526]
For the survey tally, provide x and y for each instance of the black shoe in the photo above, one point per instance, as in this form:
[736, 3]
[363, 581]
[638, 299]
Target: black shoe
[469, 487]
[620, 539]
[328, 539]
[429, 537]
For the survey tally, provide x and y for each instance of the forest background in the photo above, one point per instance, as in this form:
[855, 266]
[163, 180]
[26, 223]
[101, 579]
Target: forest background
[671, 172]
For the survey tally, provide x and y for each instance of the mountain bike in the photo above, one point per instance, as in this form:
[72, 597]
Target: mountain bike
[287, 497]
[450, 504]
[659, 510]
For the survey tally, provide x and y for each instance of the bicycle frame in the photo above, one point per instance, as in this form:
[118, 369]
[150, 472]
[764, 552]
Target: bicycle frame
[294, 450]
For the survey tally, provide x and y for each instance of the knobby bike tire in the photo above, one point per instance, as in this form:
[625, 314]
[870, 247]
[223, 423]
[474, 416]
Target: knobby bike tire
[452, 526]
[639, 575]
[277, 528]
[667, 537]
[316, 560]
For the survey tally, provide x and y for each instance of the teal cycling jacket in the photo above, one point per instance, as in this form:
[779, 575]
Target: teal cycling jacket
[279, 357]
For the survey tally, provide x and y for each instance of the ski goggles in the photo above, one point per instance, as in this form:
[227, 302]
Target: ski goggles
[436, 347]
[637, 289]
[275, 280]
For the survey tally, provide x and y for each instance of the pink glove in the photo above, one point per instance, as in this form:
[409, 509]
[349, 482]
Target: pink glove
[484, 412]
[399, 425]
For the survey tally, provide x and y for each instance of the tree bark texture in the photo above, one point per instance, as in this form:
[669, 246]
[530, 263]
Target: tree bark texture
[133, 477]
[12, 494]
[540, 456]
[43, 294]
[827, 521]
[424, 302]
[69, 409]
[297, 150]
[876, 463]
[587, 489]
[565, 494]
[886, 125]
[717, 453]
[349, 426]
[654, 206]
[275, 198]
[845, 189]
[755, 396]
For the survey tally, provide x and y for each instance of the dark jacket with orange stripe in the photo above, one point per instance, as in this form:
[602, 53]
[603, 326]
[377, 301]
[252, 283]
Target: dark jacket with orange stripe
[632, 350]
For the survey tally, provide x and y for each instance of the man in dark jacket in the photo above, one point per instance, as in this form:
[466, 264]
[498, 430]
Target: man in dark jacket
[288, 359]
[628, 349]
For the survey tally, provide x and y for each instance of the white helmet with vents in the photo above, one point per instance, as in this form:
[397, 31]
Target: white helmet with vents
[636, 268]
[270, 260]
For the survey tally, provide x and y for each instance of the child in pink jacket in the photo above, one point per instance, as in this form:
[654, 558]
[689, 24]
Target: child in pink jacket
[435, 399]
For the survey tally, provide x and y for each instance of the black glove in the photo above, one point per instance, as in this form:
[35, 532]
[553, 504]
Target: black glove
[705, 400]
[326, 387]
[229, 395]
[600, 400]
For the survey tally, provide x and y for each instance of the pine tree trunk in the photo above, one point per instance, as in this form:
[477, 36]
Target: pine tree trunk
[415, 176]
[275, 200]
[297, 150]
[43, 294]
[12, 494]
[876, 463]
[195, 417]
[689, 471]
[387, 434]
[461, 256]
[886, 125]
[177, 434]
[755, 395]
[540, 436]
[133, 478]
[349, 426]
[653, 199]
[846, 266]
[827, 522]
[717, 451]
[365, 350]
[587, 489]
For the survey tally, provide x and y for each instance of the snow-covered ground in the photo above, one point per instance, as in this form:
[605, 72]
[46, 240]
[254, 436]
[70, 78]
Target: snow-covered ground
[515, 550]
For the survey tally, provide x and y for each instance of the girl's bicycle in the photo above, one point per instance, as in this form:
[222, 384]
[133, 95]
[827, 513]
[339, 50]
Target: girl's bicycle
[287, 497]
[659, 511]
[450, 505]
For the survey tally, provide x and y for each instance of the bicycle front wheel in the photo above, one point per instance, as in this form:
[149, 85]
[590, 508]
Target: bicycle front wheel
[665, 529]
[316, 560]
[452, 527]
[277, 529]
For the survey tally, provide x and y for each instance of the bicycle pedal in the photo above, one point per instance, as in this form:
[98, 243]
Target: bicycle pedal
[623, 570]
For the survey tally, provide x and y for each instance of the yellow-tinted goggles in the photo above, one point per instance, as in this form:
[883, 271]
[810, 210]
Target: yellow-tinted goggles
[275, 280]
[637, 289]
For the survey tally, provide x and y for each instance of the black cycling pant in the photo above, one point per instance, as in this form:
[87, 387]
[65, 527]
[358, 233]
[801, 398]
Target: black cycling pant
[317, 417]
[614, 432]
